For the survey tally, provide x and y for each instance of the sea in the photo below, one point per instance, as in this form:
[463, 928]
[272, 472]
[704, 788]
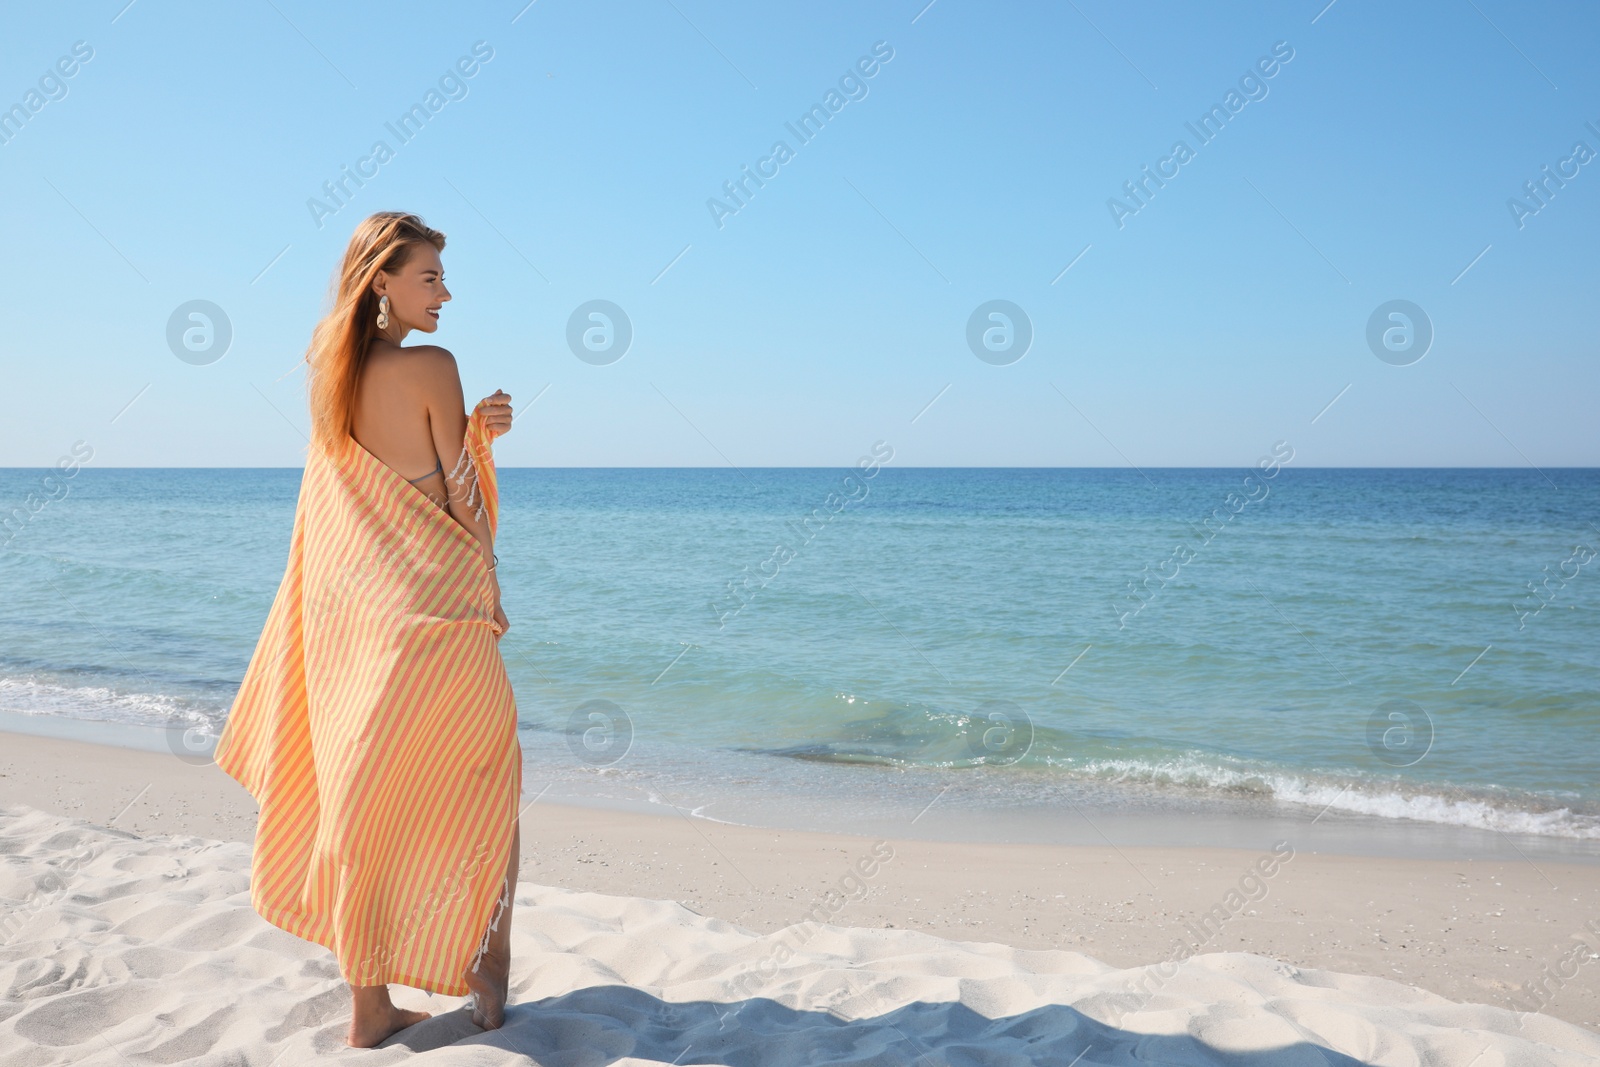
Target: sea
[1372, 661]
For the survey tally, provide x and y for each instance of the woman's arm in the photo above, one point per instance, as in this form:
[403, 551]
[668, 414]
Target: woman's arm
[447, 422]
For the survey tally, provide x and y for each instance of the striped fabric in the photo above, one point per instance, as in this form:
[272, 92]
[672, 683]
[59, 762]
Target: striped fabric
[376, 728]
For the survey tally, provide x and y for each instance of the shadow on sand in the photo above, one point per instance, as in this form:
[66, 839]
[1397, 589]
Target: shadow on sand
[601, 1024]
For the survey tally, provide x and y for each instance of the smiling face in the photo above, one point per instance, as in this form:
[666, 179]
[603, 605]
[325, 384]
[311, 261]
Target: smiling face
[415, 291]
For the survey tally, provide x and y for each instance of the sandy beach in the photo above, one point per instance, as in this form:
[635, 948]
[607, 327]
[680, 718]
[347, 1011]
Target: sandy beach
[663, 938]
[843, 535]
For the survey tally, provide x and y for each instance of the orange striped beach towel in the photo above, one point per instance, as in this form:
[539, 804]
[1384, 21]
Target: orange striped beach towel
[376, 728]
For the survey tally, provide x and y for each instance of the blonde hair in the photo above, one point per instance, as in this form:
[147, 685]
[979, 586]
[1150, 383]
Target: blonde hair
[339, 343]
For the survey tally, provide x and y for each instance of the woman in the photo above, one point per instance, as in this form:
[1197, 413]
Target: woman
[376, 726]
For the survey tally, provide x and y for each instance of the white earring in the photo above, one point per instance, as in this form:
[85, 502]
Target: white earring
[383, 313]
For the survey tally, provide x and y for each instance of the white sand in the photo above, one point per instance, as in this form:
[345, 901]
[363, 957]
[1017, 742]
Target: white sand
[120, 949]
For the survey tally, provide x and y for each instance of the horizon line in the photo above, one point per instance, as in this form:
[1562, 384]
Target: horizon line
[885, 466]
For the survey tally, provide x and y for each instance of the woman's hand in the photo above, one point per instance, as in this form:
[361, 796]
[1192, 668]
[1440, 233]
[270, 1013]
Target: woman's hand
[496, 409]
[500, 619]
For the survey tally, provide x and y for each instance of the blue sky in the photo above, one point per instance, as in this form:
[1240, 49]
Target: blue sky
[831, 310]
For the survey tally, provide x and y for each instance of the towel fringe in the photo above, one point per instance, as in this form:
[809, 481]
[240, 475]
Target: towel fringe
[494, 924]
[465, 469]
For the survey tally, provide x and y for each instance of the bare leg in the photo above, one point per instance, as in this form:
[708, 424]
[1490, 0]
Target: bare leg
[375, 1018]
[493, 976]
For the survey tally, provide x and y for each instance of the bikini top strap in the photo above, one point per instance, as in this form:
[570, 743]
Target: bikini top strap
[438, 468]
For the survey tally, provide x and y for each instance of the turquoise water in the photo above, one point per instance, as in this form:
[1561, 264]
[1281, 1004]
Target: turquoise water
[1360, 642]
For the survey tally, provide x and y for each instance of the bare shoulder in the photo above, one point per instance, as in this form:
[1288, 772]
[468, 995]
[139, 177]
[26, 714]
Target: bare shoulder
[431, 357]
[433, 373]
[414, 359]
[425, 367]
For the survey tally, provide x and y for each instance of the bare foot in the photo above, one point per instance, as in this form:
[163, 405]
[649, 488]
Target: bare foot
[375, 1020]
[490, 982]
[489, 985]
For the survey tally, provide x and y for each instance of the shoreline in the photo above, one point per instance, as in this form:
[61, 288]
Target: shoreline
[1470, 929]
[764, 791]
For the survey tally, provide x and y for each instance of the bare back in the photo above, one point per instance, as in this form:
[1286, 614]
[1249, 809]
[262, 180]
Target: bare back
[410, 414]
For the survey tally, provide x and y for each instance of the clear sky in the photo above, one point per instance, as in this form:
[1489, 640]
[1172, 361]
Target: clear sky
[1197, 324]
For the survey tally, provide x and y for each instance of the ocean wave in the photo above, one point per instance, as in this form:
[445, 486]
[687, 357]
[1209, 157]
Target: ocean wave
[1507, 811]
[1421, 806]
[928, 737]
[934, 738]
[97, 703]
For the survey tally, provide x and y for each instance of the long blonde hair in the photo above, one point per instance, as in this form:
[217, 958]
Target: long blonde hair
[339, 343]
